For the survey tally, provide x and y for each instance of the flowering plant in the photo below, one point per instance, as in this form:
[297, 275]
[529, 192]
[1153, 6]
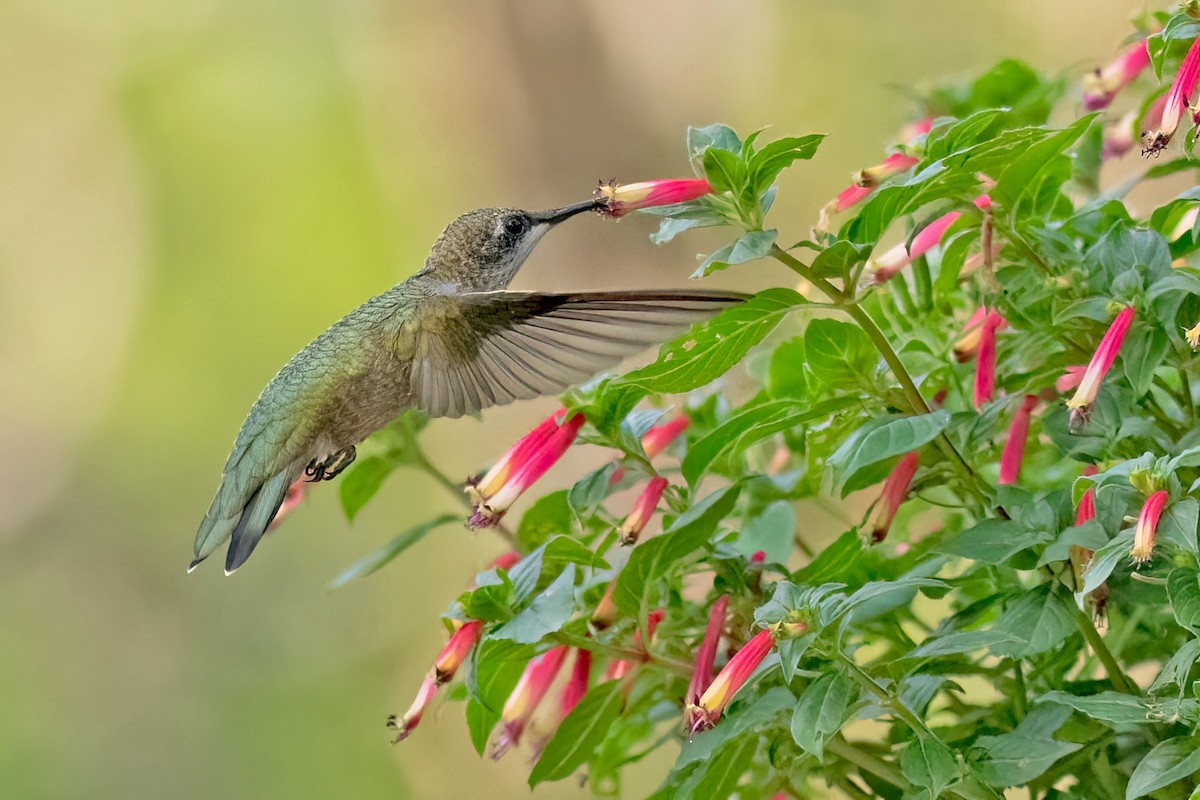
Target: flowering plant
[981, 366]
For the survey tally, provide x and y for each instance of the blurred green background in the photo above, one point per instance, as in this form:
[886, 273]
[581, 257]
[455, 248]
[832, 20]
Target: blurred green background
[191, 191]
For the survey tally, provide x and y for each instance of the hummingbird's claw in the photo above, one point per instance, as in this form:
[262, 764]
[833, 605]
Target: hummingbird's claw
[331, 466]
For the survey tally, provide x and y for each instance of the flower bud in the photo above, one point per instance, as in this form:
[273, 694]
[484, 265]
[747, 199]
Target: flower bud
[1014, 446]
[1087, 503]
[985, 360]
[895, 490]
[967, 345]
[643, 509]
[1147, 526]
[456, 650]
[606, 612]
[912, 131]
[553, 710]
[622, 199]
[658, 438]
[716, 698]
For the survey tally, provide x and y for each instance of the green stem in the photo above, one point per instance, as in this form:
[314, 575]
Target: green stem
[901, 711]
[1120, 681]
[865, 761]
[1019, 699]
[890, 357]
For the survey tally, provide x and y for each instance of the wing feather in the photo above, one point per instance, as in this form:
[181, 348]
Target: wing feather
[491, 348]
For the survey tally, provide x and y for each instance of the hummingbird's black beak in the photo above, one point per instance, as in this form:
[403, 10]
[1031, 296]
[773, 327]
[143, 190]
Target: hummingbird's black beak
[557, 215]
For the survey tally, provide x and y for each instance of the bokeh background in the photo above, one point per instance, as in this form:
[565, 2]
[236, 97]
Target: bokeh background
[190, 191]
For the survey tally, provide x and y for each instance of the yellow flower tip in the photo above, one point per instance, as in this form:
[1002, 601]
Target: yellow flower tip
[1193, 336]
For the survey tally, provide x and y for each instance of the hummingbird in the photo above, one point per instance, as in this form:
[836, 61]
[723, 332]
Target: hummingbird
[450, 340]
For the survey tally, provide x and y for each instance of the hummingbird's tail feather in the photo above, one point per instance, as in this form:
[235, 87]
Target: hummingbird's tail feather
[256, 516]
[243, 521]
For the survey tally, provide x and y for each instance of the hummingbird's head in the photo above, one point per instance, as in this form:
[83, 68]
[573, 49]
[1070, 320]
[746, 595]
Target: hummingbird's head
[483, 250]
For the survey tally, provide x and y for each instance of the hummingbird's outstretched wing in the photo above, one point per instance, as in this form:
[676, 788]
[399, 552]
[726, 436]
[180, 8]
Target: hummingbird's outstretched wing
[491, 348]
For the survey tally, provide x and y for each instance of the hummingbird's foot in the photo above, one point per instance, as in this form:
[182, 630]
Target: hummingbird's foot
[330, 467]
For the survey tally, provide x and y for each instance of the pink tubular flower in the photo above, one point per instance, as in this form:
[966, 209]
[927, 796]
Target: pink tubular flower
[1070, 379]
[621, 199]
[535, 681]
[1147, 526]
[1087, 503]
[900, 256]
[985, 361]
[909, 133]
[1014, 445]
[708, 709]
[758, 556]
[1118, 138]
[851, 196]
[643, 509]
[518, 454]
[554, 709]
[891, 262]
[968, 344]
[702, 675]
[932, 233]
[895, 489]
[407, 723]
[291, 499]
[456, 650]
[1102, 84]
[620, 668]
[606, 612]
[524, 469]
[657, 439]
[892, 165]
[1179, 96]
[1102, 360]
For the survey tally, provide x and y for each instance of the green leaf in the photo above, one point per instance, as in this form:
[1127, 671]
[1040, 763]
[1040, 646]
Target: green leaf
[833, 562]
[772, 530]
[726, 172]
[1019, 757]
[879, 440]
[718, 136]
[1025, 174]
[1183, 587]
[992, 541]
[928, 763]
[550, 514]
[963, 642]
[773, 158]
[839, 352]
[580, 734]
[785, 375]
[1111, 707]
[1040, 618]
[547, 612]
[747, 247]
[747, 427]
[722, 773]
[362, 481]
[1167, 762]
[821, 710]
[373, 561]
[1105, 560]
[711, 349]
[491, 673]
[652, 560]
[837, 260]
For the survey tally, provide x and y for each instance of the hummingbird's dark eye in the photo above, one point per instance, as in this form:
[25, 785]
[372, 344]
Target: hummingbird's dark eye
[516, 225]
